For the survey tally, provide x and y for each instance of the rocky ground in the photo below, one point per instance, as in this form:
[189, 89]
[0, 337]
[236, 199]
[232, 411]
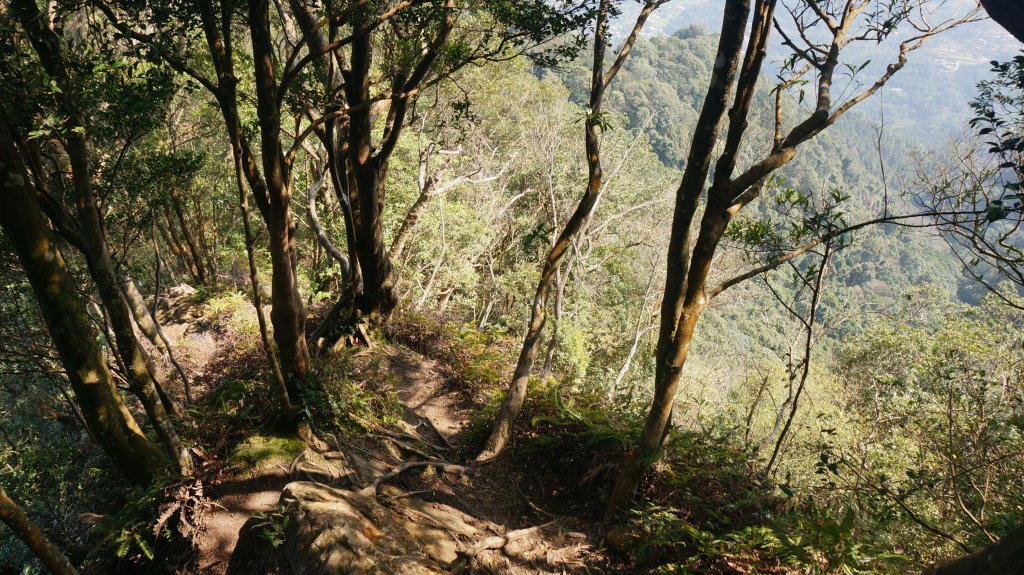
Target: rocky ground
[398, 499]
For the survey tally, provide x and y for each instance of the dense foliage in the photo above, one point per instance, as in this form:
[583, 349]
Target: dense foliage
[854, 407]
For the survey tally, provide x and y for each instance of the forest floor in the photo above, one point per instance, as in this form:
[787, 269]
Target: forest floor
[436, 423]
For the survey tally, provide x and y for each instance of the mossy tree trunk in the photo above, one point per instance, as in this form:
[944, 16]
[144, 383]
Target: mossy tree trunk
[33, 537]
[69, 326]
[142, 373]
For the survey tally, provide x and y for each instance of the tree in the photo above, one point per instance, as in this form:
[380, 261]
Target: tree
[89, 233]
[344, 42]
[1008, 14]
[428, 44]
[593, 124]
[691, 256]
[978, 188]
[109, 421]
[987, 181]
[34, 537]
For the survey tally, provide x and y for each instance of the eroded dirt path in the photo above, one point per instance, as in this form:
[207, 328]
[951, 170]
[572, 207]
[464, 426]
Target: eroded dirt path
[492, 526]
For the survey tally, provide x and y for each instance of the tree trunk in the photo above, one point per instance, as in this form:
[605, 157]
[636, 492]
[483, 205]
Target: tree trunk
[286, 311]
[151, 328]
[143, 319]
[1002, 557]
[68, 322]
[190, 239]
[377, 300]
[257, 298]
[185, 257]
[516, 394]
[684, 299]
[140, 369]
[33, 537]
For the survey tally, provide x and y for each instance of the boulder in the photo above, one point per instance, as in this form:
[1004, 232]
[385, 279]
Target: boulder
[331, 531]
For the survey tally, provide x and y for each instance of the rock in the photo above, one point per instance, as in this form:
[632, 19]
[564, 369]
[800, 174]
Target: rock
[331, 531]
[623, 539]
[180, 291]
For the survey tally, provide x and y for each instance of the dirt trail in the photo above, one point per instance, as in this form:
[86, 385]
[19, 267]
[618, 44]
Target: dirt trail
[437, 416]
[420, 386]
[205, 353]
[236, 501]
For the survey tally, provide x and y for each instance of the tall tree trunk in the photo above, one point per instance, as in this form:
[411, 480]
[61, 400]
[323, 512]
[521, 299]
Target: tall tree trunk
[516, 394]
[68, 323]
[140, 369]
[685, 298]
[33, 537]
[172, 245]
[286, 312]
[257, 298]
[377, 300]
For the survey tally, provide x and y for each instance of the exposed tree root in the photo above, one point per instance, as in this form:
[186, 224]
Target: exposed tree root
[445, 466]
[501, 541]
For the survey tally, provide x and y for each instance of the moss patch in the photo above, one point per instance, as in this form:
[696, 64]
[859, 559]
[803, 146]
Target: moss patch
[262, 451]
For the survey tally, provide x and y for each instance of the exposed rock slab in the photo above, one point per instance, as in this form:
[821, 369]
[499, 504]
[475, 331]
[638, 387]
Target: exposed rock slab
[333, 531]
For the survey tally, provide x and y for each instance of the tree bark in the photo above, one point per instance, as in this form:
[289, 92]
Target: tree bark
[1008, 14]
[377, 300]
[516, 394]
[190, 240]
[257, 298]
[143, 319]
[684, 299]
[185, 255]
[151, 328]
[141, 372]
[1002, 557]
[33, 537]
[68, 323]
[286, 313]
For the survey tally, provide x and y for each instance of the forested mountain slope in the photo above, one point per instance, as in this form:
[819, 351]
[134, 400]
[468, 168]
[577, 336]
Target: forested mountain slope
[928, 102]
[510, 287]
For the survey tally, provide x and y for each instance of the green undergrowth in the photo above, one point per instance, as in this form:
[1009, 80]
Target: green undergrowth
[706, 507]
[352, 393]
[477, 362]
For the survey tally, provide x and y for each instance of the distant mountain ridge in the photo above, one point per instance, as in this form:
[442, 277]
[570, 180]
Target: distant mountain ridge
[927, 100]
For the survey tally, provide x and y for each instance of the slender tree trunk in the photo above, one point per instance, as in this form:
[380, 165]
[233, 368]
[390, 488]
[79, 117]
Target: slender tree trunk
[143, 319]
[190, 264]
[257, 300]
[638, 333]
[68, 322]
[805, 364]
[516, 394]
[33, 537]
[685, 299]
[190, 239]
[158, 269]
[140, 369]
[286, 312]
[408, 223]
[151, 328]
[174, 248]
[561, 280]
[209, 255]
